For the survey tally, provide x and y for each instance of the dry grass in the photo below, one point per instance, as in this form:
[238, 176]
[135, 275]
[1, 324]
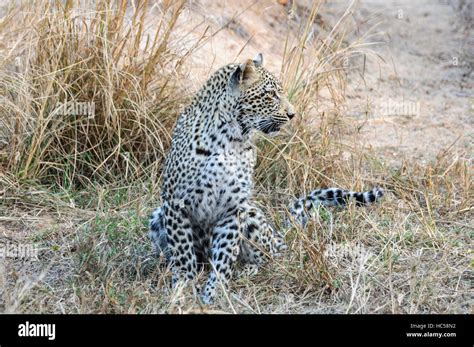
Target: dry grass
[105, 55]
[82, 188]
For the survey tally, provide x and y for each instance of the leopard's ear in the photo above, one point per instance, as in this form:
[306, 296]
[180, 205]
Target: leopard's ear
[244, 75]
[258, 60]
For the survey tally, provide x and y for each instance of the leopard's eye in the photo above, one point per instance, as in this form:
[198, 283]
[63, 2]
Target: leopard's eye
[273, 94]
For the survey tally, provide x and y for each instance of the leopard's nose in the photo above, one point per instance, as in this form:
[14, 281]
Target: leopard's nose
[290, 111]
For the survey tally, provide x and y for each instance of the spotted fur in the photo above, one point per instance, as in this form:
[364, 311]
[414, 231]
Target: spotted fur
[207, 213]
[302, 208]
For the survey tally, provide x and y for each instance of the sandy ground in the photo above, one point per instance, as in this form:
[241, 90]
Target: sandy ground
[422, 97]
[414, 103]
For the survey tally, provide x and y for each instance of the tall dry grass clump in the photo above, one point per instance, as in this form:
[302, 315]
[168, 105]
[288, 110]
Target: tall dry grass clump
[91, 90]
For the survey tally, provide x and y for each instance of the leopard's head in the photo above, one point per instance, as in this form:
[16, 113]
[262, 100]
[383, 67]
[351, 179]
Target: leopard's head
[261, 102]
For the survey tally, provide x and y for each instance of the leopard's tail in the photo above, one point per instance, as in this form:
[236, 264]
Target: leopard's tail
[158, 234]
[331, 197]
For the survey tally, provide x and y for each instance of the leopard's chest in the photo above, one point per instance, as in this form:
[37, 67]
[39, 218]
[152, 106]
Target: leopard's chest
[221, 185]
[211, 185]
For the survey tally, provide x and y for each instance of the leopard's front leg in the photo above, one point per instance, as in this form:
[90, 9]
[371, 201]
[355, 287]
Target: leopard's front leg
[180, 243]
[224, 252]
